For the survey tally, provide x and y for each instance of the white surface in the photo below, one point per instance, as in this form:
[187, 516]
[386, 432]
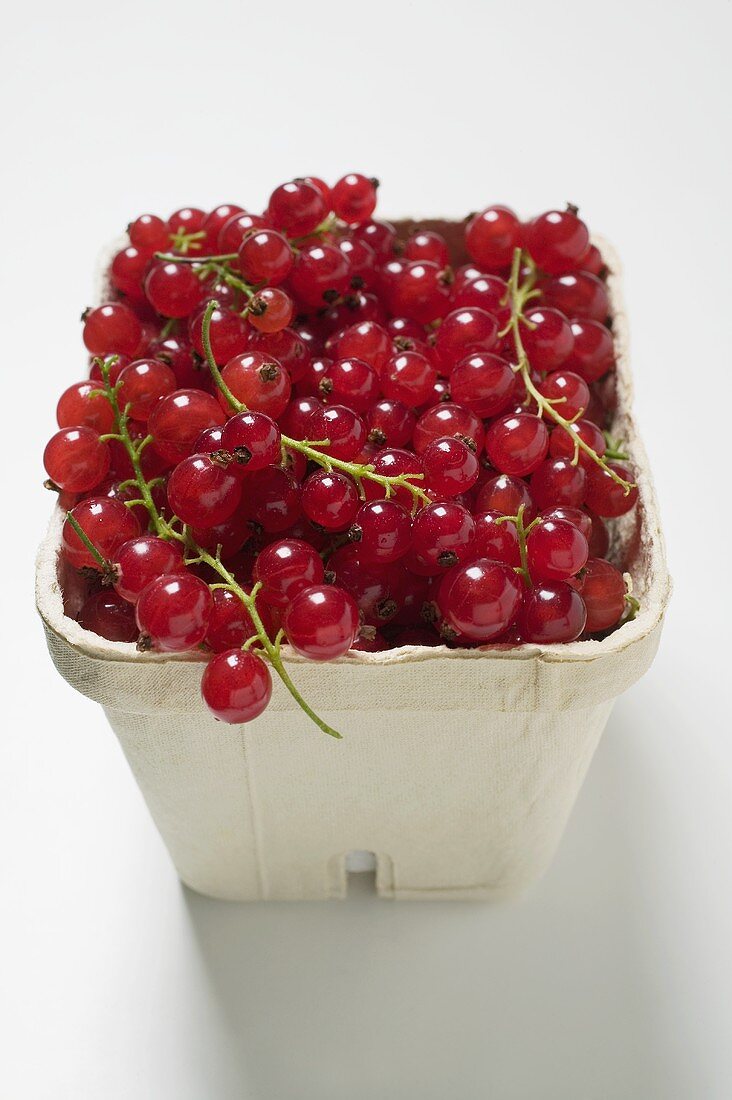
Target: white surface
[611, 980]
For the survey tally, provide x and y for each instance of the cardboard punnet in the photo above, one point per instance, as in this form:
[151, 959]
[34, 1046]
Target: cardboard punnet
[458, 769]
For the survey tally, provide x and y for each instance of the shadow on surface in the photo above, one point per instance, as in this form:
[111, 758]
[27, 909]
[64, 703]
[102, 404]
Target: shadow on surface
[541, 999]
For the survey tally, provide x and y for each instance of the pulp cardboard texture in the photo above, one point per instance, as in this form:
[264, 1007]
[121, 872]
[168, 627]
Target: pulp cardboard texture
[457, 770]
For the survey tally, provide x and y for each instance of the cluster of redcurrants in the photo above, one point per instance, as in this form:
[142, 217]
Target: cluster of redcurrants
[380, 434]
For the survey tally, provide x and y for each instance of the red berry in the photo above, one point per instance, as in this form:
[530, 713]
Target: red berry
[442, 536]
[214, 222]
[177, 421]
[496, 538]
[367, 341]
[562, 441]
[517, 445]
[202, 492]
[505, 494]
[234, 231]
[127, 272]
[272, 499]
[557, 241]
[230, 624]
[604, 495]
[417, 290]
[296, 208]
[448, 419]
[142, 384]
[270, 310]
[480, 600]
[602, 588]
[450, 466]
[464, 332]
[236, 686]
[570, 394]
[487, 292]
[172, 289]
[285, 347]
[76, 459]
[149, 233]
[579, 295]
[189, 219]
[330, 499]
[548, 342]
[552, 612]
[576, 516]
[174, 612]
[350, 382]
[258, 381]
[321, 622]
[492, 236]
[558, 481]
[354, 198]
[556, 550]
[319, 276]
[390, 424]
[112, 329]
[253, 439]
[109, 616]
[427, 245]
[85, 405]
[593, 353]
[344, 430]
[408, 377]
[383, 531]
[228, 334]
[266, 257]
[394, 462]
[284, 568]
[140, 560]
[483, 383]
[106, 522]
[379, 235]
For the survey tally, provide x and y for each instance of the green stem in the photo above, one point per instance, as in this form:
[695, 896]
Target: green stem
[103, 563]
[518, 296]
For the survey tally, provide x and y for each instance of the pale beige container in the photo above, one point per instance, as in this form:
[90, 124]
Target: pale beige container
[458, 769]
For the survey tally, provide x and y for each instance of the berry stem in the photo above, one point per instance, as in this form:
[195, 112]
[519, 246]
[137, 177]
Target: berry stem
[356, 470]
[523, 533]
[166, 530]
[103, 563]
[519, 294]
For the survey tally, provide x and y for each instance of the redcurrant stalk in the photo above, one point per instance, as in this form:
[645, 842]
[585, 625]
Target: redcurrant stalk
[310, 449]
[165, 529]
[523, 533]
[518, 296]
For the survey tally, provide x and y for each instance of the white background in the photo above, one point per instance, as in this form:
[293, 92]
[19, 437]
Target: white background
[611, 980]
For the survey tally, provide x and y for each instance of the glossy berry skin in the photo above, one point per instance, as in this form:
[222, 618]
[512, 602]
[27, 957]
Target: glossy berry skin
[487, 292]
[106, 522]
[517, 445]
[368, 341]
[254, 441]
[215, 221]
[557, 241]
[84, 405]
[285, 347]
[270, 310]
[112, 329]
[427, 245]
[149, 233]
[465, 332]
[556, 550]
[319, 276]
[593, 352]
[562, 445]
[265, 256]
[496, 538]
[552, 612]
[230, 624]
[408, 377]
[505, 494]
[142, 384]
[417, 290]
[174, 612]
[236, 686]
[483, 383]
[321, 622]
[296, 208]
[236, 229]
[140, 560]
[604, 496]
[569, 392]
[228, 334]
[76, 459]
[177, 421]
[330, 499]
[580, 295]
[259, 382]
[480, 600]
[296, 417]
[442, 536]
[284, 568]
[189, 219]
[549, 343]
[492, 236]
[557, 481]
[354, 198]
[395, 462]
[602, 588]
[109, 616]
[450, 466]
[379, 235]
[576, 516]
[127, 272]
[382, 531]
[390, 423]
[447, 419]
[342, 427]
[202, 492]
[172, 289]
[350, 382]
[272, 499]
